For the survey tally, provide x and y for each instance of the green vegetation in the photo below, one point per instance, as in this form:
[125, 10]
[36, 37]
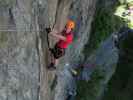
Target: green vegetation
[108, 20]
[120, 86]
[124, 11]
[105, 22]
[92, 89]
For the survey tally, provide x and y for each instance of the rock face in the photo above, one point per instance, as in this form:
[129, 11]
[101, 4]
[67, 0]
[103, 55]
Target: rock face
[19, 63]
[23, 46]
[24, 50]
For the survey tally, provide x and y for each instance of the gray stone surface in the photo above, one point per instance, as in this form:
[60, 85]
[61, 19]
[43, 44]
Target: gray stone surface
[19, 64]
[24, 53]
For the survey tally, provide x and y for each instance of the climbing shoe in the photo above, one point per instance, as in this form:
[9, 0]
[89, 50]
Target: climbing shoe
[51, 66]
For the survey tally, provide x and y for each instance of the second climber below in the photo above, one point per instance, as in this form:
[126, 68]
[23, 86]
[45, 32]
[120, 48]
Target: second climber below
[65, 38]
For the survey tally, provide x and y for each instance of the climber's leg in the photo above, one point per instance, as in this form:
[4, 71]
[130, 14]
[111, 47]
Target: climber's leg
[56, 54]
[52, 59]
[52, 62]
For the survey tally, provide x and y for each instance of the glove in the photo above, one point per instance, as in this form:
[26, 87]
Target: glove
[48, 30]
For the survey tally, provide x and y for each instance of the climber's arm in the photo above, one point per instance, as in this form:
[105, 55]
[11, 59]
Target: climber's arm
[55, 34]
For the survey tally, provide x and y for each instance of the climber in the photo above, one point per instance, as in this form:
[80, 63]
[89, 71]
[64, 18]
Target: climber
[65, 39]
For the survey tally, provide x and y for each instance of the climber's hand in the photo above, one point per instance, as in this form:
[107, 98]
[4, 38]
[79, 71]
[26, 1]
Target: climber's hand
[48, 30]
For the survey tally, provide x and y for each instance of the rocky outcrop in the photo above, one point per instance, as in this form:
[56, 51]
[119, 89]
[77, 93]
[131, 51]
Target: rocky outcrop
[19, 63]
[23, 47]
[24, 53]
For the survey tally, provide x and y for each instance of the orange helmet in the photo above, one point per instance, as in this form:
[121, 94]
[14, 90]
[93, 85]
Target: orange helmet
[70, 24]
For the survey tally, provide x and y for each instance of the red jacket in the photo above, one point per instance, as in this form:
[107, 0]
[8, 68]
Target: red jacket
[64, 44]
